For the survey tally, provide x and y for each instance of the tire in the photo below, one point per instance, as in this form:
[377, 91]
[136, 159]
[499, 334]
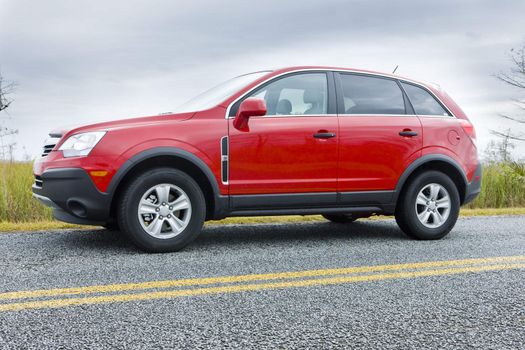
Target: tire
[159, 191]
[340, 218]
[433, 191]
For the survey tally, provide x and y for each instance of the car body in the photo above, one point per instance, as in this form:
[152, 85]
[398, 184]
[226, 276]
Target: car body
[297, 140]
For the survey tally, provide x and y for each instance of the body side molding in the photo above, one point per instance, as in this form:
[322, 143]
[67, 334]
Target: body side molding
[315, 202]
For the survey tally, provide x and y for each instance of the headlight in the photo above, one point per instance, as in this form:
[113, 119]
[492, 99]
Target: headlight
[81, 144]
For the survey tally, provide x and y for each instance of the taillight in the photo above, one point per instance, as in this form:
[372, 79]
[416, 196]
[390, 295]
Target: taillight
[469, 130]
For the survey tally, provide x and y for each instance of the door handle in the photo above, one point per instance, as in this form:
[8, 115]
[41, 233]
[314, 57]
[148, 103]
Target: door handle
[407, 133]
[324, 135]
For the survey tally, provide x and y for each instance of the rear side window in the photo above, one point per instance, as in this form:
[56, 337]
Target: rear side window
[423, 102]
[371, 95]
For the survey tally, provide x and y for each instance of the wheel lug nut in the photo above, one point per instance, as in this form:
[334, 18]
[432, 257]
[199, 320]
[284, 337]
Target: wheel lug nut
[171, 208]
[160, 217]
[163, 203]
[169, 216]
[157, 209]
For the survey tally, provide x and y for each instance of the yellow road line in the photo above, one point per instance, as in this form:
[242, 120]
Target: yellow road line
[111, 288]
[56, 303]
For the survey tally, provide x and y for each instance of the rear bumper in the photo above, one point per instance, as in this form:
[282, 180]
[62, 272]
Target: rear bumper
[474, 187]
[72, 195]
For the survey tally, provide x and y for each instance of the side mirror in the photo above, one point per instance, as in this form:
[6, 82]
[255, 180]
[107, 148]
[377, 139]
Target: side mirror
[251, 107]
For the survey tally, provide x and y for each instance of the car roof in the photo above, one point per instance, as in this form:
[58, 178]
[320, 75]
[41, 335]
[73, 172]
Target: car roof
[282, 70]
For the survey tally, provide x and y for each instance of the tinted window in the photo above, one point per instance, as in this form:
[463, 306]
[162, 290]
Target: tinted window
[298, 94]
[371, 95]
[423, 102]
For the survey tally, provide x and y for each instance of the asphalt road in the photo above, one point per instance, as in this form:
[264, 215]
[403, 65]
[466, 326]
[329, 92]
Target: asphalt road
[346, 288]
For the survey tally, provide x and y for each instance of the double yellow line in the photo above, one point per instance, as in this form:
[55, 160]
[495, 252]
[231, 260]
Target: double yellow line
[99, 294]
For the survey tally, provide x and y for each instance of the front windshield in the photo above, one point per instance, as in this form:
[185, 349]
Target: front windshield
[218, 94]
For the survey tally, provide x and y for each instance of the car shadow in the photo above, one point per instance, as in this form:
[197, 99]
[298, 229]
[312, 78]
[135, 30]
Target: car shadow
[249, 234]
[307, 234]
[101, 240]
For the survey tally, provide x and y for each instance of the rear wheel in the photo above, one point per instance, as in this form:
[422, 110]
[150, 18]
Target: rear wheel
[429, 206]
[162, 210]
[340, 218]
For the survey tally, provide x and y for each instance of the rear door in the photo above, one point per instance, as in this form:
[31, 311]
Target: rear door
[379, 134]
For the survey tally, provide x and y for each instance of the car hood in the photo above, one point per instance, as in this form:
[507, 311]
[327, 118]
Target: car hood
[119, 124]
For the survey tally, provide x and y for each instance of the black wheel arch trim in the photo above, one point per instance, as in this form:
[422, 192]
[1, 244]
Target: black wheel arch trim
[422, 161]
[221, 202]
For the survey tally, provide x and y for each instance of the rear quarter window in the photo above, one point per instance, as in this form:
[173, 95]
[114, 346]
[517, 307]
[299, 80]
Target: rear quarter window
[423, 102]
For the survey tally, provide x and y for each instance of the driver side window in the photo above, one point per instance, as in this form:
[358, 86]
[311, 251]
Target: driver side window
[298, 94]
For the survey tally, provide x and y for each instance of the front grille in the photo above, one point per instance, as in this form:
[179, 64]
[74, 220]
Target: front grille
[38, 181]
[47, 149]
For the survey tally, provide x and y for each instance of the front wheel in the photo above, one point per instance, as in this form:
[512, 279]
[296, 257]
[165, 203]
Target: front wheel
[429, 206]
[162, 210]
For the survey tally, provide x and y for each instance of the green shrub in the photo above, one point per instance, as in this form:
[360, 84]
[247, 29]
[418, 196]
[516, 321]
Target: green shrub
[503, 186]
[16, 202]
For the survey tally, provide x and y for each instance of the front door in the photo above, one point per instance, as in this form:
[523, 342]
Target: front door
[292, 149]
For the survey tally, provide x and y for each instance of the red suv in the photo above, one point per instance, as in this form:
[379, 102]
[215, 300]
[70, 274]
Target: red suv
[343, 143]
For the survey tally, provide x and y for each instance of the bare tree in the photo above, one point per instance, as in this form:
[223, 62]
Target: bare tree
[7, 145]
[515, 77]
[6, 88]
[500, 151]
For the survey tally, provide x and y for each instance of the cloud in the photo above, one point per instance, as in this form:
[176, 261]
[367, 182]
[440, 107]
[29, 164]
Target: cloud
[85, 61]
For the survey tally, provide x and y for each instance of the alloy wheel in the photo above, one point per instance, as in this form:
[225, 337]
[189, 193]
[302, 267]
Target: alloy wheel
[433, 205]
[164, 211]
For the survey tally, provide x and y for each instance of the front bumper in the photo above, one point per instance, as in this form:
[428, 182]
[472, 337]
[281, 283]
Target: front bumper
[72, 195]
[474, 187]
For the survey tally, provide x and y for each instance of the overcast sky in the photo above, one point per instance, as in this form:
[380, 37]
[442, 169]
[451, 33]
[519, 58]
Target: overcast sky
[78, 62]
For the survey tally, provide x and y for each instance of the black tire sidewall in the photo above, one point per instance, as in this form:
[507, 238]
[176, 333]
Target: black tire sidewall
[129, 221]
[410, 222]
